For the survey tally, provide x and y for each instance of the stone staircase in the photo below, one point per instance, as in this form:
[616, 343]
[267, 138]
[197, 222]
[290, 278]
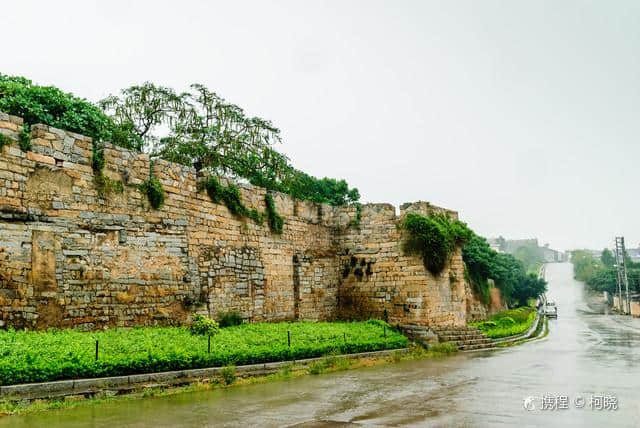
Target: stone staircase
[465, 338]
[420, 334]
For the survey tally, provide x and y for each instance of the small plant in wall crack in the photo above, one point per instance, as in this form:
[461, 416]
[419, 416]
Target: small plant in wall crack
[154, 191]
[356, 221]
[276, 222]
[4, 141]
[230, 196]
[104, 185]
[24, 138]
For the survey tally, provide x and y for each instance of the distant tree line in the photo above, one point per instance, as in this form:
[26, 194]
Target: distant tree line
[197, 128]
[599, 274]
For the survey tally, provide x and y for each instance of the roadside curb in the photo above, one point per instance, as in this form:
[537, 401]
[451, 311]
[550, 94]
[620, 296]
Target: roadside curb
[63, 388]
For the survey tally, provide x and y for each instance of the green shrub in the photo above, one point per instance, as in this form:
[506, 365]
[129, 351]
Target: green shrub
[228, 374]
[40, 356]
[507, 323]
[379, 323]
[105, 185]
[4, 141]
[97, 158]
[276, 222]
[230, 319]
[154, 191]
[214, 189]
[230, 196]
[486, 325]
[203, 326]
[255, 215]
[51, 106]
[24, 138]
[356, 221]
[434, 238]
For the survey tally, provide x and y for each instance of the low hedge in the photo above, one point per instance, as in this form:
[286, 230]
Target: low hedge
[507, 323]
[66, 354]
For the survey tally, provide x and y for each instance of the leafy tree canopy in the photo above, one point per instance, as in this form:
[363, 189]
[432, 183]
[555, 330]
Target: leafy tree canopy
[607, 258]
[205, 131]
[508, 273]
[51, 106]
[196, 128]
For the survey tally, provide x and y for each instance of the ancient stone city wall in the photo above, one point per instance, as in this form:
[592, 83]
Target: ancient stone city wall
[71, 257]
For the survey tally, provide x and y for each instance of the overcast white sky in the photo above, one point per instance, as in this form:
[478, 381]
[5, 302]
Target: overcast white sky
[521, 115]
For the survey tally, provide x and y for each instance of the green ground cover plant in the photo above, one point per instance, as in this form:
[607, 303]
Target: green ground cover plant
[66, 354]
[507, 323]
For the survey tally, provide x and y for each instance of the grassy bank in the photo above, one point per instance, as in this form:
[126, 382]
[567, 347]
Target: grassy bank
[507, 323]
[65, 354]
[328, 364]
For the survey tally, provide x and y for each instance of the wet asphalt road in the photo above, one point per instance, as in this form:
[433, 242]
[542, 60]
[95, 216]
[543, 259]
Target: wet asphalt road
[586, 354]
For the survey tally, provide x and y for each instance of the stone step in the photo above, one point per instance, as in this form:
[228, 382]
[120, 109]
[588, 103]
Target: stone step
[462, 328]
[454, 332]
[465, 338]
[476, 346]
[472, 341]
[453, 338]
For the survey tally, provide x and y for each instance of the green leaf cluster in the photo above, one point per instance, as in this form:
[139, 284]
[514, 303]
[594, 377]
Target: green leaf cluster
[51, 106]
[599, 274]
[208, 133]
[68, 354]
[24, 138]
[154, 191]
[200, 129]
[230, 196]
[508, 273]
[4, 141]
[434, 237]
[276, 222]
[507, 323]
[229, 319]
[203, 326]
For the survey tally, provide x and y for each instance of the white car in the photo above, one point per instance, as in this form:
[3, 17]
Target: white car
[550, 310]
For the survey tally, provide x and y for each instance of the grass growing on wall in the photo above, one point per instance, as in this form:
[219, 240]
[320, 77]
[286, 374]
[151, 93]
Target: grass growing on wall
[4, 141]
[230, 196]
[67, 354]
[24, 138]
[276, 222]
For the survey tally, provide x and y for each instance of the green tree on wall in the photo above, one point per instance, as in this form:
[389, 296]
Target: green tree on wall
[196, 128]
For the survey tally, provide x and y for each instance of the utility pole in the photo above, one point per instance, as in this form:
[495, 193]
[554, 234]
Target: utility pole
[621, 269]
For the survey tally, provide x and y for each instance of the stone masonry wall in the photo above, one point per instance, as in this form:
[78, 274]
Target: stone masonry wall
[71, 257]
[380, 281]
